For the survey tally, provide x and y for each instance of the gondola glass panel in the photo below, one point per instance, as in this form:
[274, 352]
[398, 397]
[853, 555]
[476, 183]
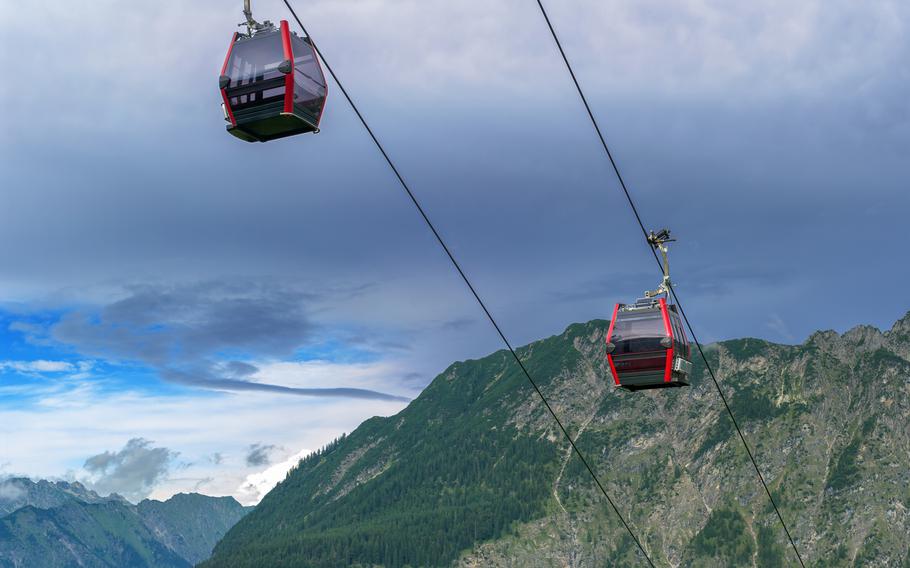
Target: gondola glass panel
[309, 82]
[266, 96]
[646, 347]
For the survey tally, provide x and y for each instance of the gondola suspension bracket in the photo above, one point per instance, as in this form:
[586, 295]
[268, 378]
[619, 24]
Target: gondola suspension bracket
[658, 241]
[252, 26]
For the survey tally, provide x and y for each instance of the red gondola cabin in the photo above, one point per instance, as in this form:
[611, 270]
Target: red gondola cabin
[272, 85]
[647, 347]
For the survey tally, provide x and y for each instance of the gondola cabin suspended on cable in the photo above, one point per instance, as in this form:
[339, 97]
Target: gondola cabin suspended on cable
[271, 83]
[647, 346]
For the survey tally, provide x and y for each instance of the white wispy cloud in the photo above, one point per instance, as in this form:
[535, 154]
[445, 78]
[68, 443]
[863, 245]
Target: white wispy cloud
[319, 373]
[48, 369]
[54, 437]
[256, 485]
[38, 366]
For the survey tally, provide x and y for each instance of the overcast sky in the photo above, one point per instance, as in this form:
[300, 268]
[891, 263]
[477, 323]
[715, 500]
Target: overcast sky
[184, 311]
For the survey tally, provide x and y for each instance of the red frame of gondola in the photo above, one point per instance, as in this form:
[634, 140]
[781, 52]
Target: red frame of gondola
[288, 49]
[668, 365]
[224, 96]
[288, 56]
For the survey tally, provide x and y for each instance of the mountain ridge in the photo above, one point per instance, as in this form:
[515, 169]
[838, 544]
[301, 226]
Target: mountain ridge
[66, 524]
[826, 419]
[18, 492]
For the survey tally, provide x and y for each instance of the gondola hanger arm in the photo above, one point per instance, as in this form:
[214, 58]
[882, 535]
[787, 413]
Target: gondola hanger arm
[252, 26]
[658, 241]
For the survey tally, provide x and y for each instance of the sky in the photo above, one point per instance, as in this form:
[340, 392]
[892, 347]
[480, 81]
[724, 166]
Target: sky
[182, 311]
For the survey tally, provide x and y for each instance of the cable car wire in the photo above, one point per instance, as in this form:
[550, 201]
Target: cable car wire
[625, 190]
[470, 286]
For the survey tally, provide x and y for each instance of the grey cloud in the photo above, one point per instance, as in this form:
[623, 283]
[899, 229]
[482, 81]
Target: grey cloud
[157, 324]
[11, 491]
[745, 160]
[179, 329]
[260, 454]
[133, 472]
[217, 458]
[34, 333]
[615, 284]
[458, 324]
[715, 279]
[381, 344]
[416, 380]
[779, 326]
[217, 383]
[239, 369]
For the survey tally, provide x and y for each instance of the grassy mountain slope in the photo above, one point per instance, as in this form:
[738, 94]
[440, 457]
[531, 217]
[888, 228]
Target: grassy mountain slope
[474, 472]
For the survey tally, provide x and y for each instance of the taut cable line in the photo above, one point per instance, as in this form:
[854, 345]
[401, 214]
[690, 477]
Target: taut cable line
[467, 282]
[625, 190]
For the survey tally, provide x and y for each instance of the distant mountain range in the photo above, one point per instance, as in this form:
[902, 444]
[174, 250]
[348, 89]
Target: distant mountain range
[473, 473]
[59, 524]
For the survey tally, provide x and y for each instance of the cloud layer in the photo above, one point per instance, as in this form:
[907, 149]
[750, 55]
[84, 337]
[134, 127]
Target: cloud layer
[132, 472]
[163, 324]
[260, 454]
[151, 245]
[191, 334]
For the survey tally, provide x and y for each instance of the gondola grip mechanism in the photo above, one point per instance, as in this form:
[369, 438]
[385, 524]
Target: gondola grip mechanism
[252, 26]
[659, 241]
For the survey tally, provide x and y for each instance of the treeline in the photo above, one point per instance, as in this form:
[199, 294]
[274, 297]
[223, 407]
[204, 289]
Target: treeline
[423, 511]
[416, 489]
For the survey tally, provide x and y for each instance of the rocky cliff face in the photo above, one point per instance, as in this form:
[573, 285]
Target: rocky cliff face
[61, 524]
[474, 473]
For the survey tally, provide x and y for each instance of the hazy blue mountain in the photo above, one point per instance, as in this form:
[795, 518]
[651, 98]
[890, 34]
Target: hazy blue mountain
[191, 524]
[82, 534]
[17, 492]
[474, 473]
[67, 525]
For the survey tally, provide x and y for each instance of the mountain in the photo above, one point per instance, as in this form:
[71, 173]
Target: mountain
[60, 524]
[17, 492]
[82, 534]
[474, 473]
[191, 524]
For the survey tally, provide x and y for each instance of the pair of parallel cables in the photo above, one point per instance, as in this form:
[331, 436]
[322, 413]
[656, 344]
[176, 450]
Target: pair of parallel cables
[493, 321]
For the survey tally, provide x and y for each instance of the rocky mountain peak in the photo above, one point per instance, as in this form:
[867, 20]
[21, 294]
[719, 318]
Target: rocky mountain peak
[18, 492]
[898, 337]
[863, 339]
[902, 325]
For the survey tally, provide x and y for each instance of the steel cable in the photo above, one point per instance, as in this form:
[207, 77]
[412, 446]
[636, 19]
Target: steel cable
[644, 231]
[467, 282]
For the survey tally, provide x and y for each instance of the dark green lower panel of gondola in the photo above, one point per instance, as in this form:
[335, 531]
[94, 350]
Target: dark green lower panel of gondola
[271, 124]
[633, 384]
